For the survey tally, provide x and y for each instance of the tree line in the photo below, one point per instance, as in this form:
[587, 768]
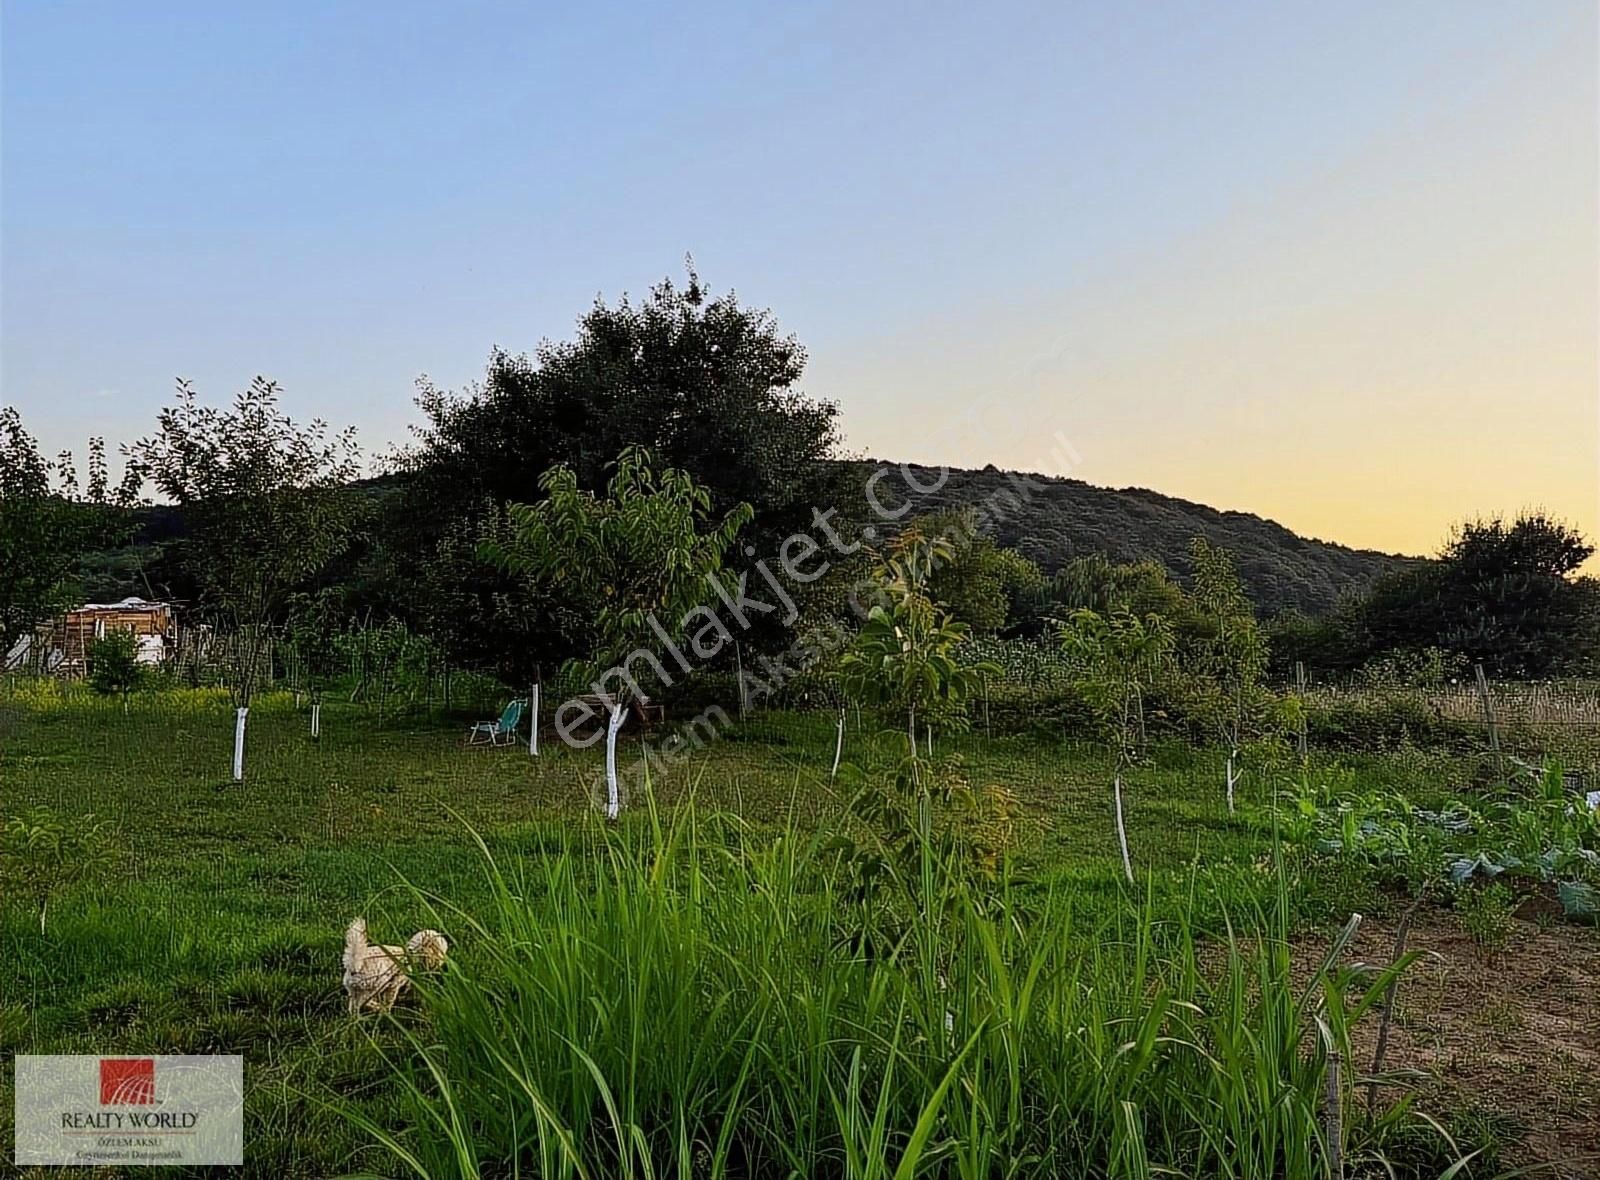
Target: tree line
[682, 385]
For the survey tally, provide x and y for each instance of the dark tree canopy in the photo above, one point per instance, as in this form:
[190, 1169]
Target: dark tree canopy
[980, 584]
[707, 384]
[1503, 595]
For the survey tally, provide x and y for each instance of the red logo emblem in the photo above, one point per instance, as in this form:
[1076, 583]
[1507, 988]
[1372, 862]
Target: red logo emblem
[127, 1081]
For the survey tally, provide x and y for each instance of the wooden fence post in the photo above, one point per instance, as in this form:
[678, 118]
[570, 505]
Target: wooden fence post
[1300, 691]
[1488, 717]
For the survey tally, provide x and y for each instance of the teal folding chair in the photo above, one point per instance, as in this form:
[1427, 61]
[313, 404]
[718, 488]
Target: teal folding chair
[498, 733]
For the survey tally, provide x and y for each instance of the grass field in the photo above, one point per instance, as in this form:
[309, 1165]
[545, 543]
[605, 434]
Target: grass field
[217, 925]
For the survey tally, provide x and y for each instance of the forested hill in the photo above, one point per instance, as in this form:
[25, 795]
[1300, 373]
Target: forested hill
[1059, 519]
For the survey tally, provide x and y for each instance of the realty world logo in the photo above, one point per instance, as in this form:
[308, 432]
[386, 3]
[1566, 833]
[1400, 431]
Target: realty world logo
[127, 1081]
[130, 1081]
[158, 1110]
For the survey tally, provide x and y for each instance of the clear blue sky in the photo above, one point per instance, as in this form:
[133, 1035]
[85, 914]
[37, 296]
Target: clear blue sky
[1331, 263]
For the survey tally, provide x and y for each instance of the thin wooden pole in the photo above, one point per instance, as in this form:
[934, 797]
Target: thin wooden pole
[1488, 717]
[1386, 1012]
[1300, 691]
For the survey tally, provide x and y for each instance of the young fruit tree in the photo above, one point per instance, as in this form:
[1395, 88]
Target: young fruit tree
[1117, 658]
[642, 558]
[316, 626]
[265, 508]
[48, 853]
[1230, 655]
[906, 657]
[907, 661]
[114, 667]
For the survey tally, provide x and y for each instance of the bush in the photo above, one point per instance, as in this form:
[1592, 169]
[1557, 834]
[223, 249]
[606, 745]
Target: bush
[44, 854]
[1386, 721]
[114, 667]
[1052, 713]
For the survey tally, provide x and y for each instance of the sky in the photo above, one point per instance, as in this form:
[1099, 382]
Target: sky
[1332, 264]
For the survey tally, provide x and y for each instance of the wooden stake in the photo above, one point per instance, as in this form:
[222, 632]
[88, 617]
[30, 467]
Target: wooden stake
[1300, 691]
[1387, 1012]
[1333, 1116]
[1488, 717]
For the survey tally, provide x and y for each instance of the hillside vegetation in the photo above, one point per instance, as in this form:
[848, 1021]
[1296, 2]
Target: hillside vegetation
[1054, 520]
[1047, 519]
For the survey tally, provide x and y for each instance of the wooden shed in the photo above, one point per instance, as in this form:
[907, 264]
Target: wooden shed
[67, 638]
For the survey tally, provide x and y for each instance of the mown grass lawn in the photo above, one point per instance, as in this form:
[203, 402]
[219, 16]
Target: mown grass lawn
[218, 926]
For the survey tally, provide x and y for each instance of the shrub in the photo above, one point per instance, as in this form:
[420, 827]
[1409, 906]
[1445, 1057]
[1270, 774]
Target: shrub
[114, 668]
[46, 854]
[1485, 912]
[1385, 721]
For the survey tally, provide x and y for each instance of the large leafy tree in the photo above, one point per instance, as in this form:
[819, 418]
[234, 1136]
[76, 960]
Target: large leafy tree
[265, 508]
[981, 584]
[709, 385]
[488, 616]
[1507, 595]
[46, 524]
[1141, 588]
[645, 550]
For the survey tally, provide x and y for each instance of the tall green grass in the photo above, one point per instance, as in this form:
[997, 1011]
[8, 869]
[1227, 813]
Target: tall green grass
[688, 1001]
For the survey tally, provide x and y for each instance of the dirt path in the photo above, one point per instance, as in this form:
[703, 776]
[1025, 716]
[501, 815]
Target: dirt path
[1514, 1031]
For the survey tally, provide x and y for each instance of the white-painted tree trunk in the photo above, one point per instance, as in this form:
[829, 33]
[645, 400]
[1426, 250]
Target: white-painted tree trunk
[930, 741]
[613, 803]
[1122, 831]
[838, 747]
[316, 721]
[1232, 778]
[238, 744]
[533, 723]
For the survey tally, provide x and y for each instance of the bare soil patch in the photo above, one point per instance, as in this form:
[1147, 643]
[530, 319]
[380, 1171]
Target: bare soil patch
[1514, 1031]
